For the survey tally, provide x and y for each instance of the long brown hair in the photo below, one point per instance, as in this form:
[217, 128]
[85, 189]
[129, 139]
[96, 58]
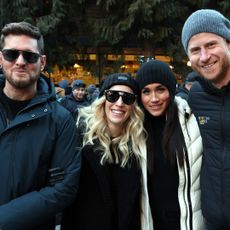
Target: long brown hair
[173, 143]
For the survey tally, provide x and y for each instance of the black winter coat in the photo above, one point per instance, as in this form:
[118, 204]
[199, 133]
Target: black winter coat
[70, 103]
[211, 107]
[102, 204]
[41, 137]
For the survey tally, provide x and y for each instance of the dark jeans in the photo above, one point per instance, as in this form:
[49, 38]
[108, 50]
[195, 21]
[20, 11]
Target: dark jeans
[211, 226]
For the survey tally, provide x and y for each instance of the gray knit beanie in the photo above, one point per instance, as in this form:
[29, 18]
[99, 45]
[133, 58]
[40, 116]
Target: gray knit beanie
[156, 72]
[205, 20]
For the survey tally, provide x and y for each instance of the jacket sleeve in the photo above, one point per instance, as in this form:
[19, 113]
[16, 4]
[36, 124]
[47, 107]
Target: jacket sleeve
[39, 206]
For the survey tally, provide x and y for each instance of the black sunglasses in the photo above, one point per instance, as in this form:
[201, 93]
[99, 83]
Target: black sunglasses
[113, 95]
[12, 55]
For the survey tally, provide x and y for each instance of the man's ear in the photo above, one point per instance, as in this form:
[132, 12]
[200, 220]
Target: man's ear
[1, 57]
[43, 62]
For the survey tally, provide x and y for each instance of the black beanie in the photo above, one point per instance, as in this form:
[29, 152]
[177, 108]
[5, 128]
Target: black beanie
[119, 79]
[156, 72]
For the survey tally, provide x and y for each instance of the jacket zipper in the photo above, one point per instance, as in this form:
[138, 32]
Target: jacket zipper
[190, 214]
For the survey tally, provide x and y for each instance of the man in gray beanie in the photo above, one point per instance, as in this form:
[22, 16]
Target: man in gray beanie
[206, 40]
[206, 20]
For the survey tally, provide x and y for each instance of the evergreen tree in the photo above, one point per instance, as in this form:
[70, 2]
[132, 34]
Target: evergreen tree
[76, 25]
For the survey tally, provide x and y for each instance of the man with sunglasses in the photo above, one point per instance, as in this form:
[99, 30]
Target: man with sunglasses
[39, 166]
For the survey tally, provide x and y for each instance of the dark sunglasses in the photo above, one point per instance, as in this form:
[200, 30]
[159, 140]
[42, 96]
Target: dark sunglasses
[113, 95]
[12, 55]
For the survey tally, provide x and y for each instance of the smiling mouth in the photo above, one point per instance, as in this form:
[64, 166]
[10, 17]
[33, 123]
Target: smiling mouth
[117, 112]
[155, 107]
[208, 66]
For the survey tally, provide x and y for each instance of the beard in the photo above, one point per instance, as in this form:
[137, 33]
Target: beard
[21, 82]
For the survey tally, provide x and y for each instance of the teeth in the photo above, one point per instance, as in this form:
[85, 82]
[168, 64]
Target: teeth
[208, 66]
[117, 111]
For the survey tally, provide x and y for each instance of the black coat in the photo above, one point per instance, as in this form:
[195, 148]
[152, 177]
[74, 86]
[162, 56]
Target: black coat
[71, 104]
[211, 107]
[39, 140]
[102, 205]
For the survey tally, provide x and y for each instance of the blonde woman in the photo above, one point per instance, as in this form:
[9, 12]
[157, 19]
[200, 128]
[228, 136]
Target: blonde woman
[112, 191]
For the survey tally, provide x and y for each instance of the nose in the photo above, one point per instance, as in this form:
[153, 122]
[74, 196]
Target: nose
[154, 97]
[119, 101]
[204, 55]
[20, 60]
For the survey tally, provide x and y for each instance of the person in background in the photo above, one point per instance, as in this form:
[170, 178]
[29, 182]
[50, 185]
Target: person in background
[39, 166]
[174, 151]
[92, 93]
[113, 189]
[206, 40]
[183, 91]
[60, 92]
[77, 98]
[64, 84]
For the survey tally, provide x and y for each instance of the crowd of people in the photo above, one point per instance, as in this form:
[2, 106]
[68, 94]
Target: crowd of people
[76, 95]
[134, 154]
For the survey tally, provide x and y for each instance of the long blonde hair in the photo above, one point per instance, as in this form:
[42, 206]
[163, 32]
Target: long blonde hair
[123, 146]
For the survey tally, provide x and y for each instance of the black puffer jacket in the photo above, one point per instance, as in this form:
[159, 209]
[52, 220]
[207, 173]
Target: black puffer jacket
[108, 197]
[211, 107]
[41, 137]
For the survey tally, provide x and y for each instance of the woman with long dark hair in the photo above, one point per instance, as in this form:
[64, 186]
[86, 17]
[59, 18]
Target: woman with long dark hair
[174, 151]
